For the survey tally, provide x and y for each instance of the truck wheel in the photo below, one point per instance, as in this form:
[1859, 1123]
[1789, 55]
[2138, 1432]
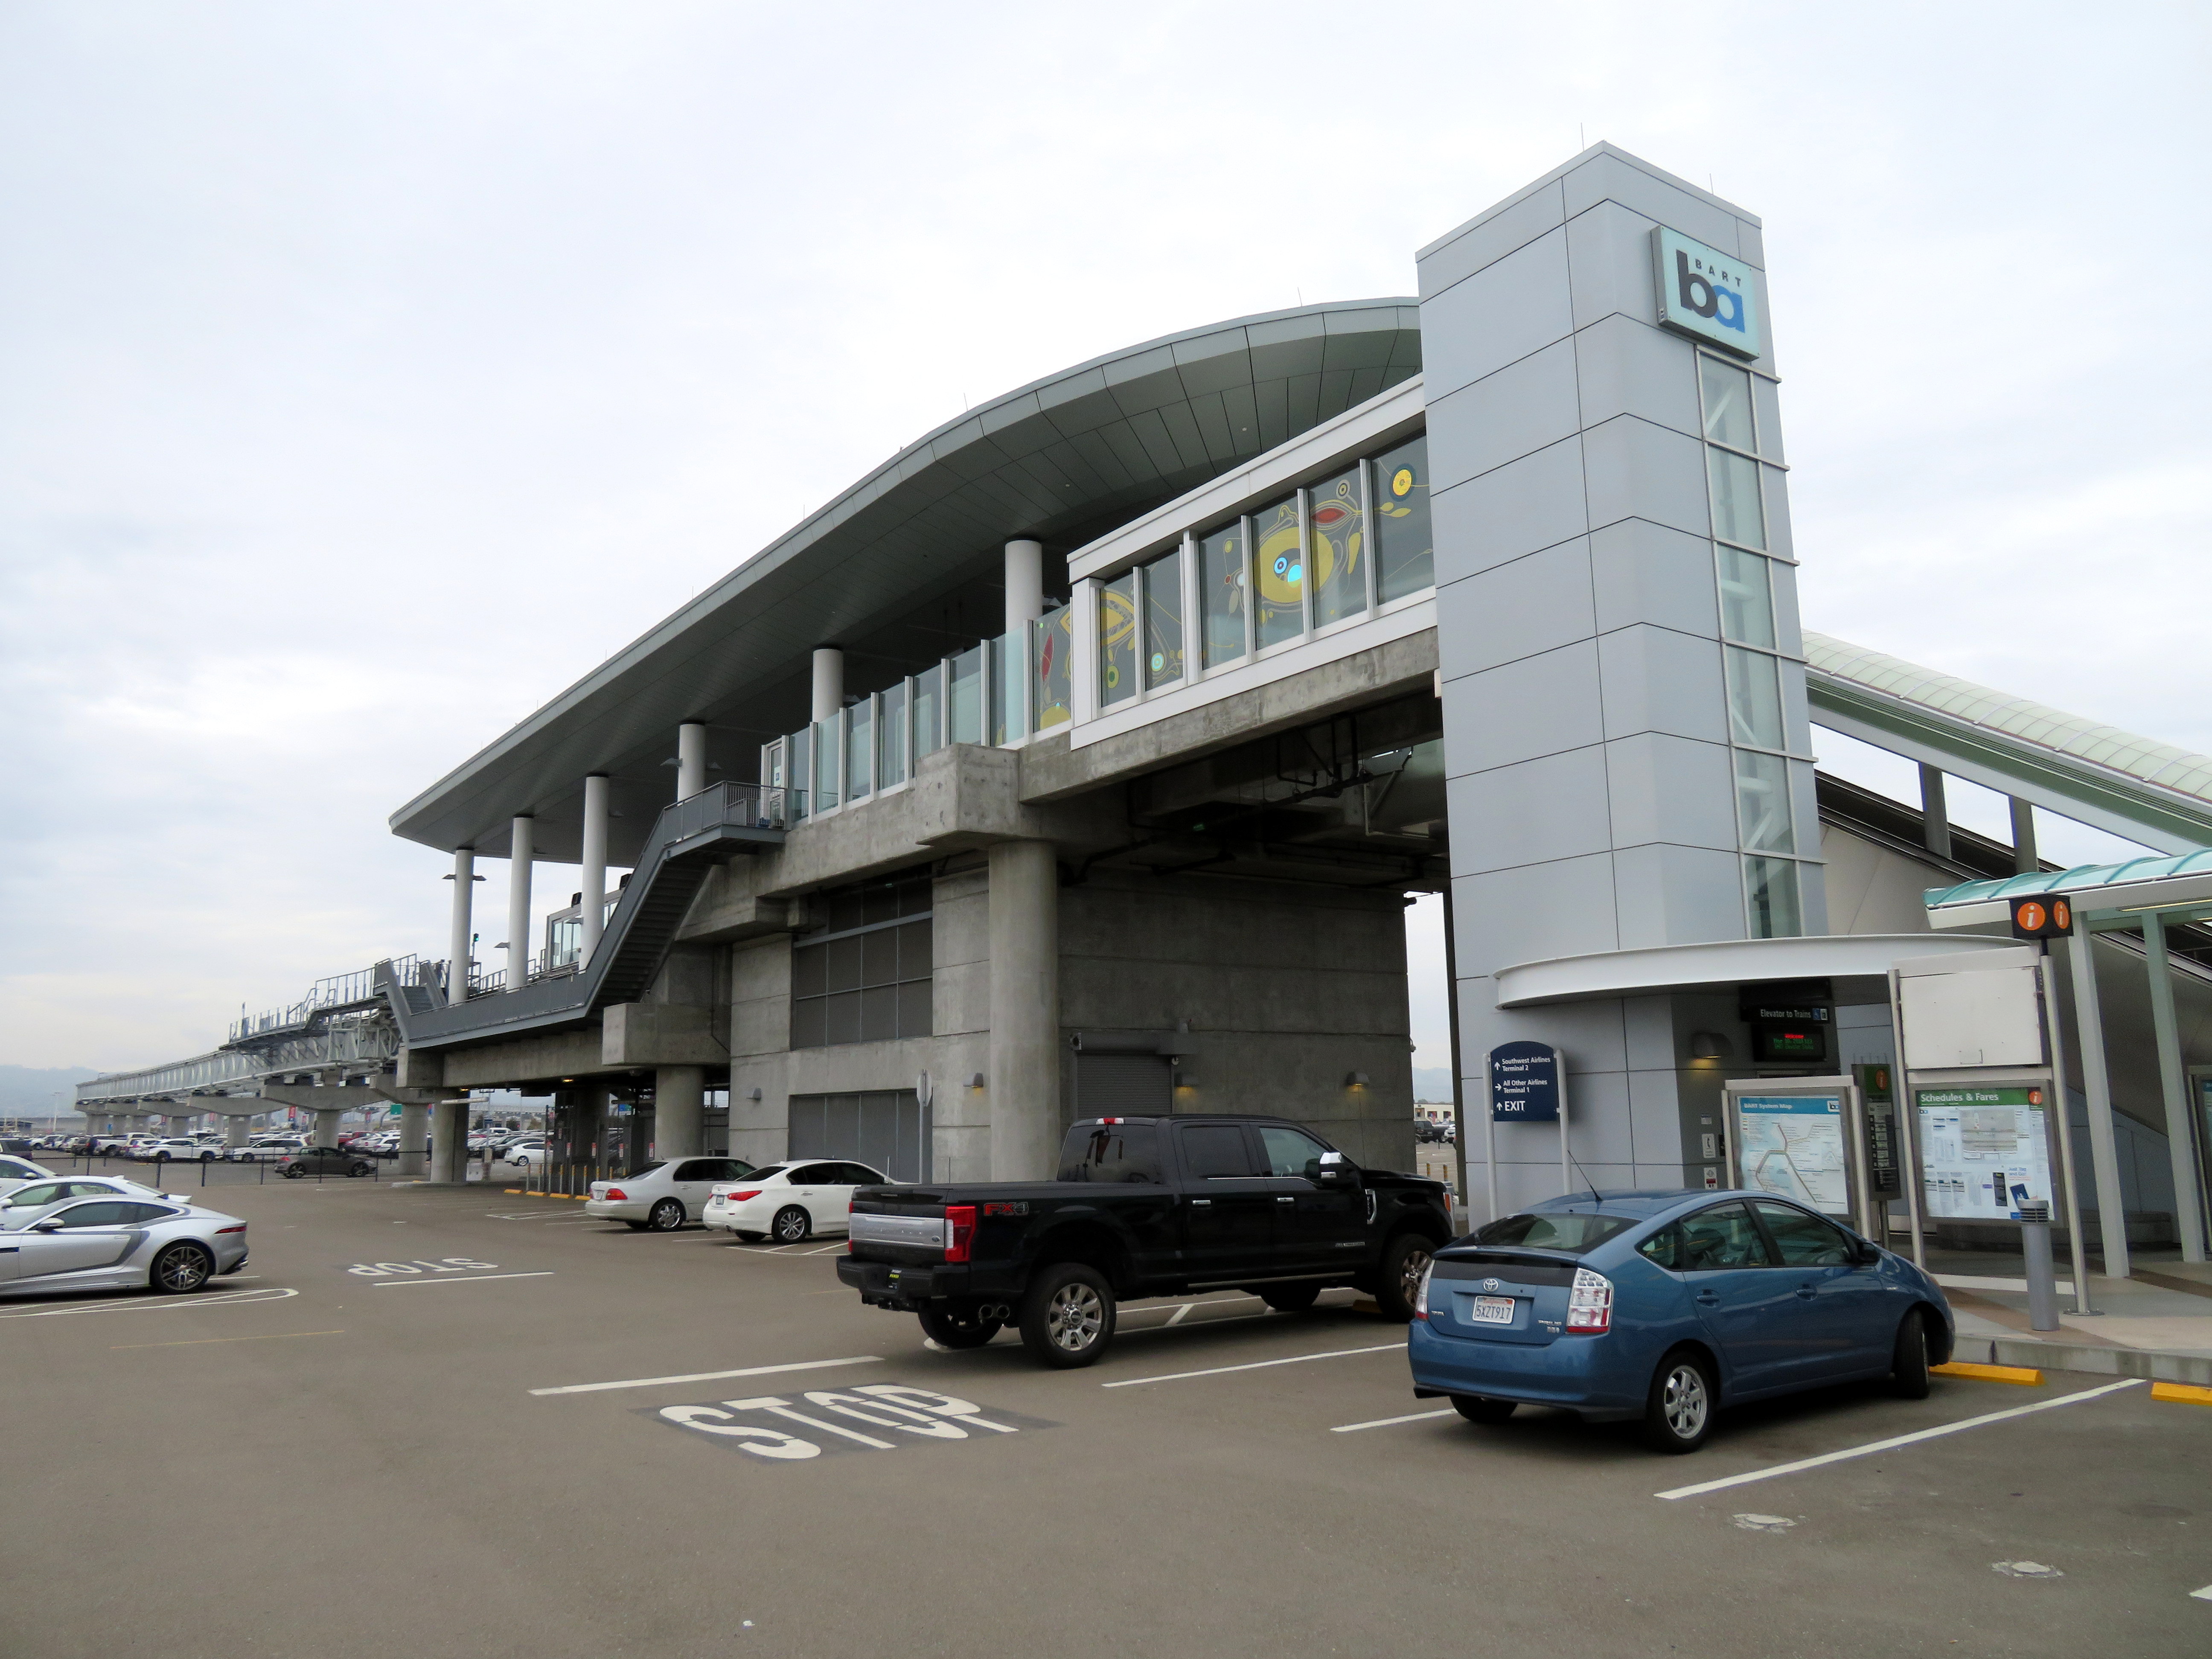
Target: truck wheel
[1398, 1281]
[949, 1330]
[1067, 1315]
[1289, 1298]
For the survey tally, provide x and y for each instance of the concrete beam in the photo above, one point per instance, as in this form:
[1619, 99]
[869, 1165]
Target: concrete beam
[661, 1034]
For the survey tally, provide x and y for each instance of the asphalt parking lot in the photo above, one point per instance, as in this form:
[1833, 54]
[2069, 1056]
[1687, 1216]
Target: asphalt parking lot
[470, 1423]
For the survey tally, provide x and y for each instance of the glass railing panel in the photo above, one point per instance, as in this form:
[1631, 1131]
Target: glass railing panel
[1117, 639]
[1005, 691]
[1164, 621]
[967, 696]
[891, 736]
[928, 712]
[1336, 547]
[1279, 569]
[798, 771]
[1052, 646]
[860, 749]
[1404, 561]
[1223, 582]
[826, 768]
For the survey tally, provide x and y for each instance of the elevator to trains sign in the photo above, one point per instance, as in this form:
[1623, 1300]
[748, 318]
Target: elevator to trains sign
[1524, 1083]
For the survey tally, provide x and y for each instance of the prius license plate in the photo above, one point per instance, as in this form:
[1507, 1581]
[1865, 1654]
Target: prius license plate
[1490, 1310]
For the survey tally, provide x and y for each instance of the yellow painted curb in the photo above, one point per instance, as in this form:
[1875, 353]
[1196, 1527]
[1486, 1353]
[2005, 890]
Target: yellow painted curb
[2181, 1392]
[2020, 1373]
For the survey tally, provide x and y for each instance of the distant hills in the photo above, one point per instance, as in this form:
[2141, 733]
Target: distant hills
[1432, 1084]
[29, 1091]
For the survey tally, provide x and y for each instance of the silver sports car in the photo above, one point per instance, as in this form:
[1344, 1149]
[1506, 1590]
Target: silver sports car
[119, 1243]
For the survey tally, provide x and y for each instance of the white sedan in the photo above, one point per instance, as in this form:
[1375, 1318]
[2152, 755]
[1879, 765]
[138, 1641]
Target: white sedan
[267, 1149]
[21, 1206]
[789, 1202]
[664, 1196]
[15, 1171]
[180, 1149]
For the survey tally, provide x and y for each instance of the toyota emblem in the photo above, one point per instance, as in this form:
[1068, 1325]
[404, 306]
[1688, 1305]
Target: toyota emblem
[1492, 1285]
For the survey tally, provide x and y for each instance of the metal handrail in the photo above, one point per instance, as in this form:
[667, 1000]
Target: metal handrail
[337, 991]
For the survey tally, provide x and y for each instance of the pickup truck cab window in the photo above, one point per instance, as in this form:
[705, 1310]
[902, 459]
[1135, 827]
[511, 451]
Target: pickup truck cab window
[1290, 1152]
[1217, 1152]
[1125, 1153]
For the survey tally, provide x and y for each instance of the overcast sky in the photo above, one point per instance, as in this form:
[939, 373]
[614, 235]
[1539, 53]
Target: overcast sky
[369, 372]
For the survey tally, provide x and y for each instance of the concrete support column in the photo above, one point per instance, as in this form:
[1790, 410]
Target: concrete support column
[414, 1130]
[461, 941]
[595, 861]
[2026, 861]
[234, 1131]
[679, 1111]
[829, 681]
[1938, 829]
[2174, 1081]
[518, 903]
[1023, 1081]
[326, 1126]
[449, 1139]
[2097, 1086]
[691, 759]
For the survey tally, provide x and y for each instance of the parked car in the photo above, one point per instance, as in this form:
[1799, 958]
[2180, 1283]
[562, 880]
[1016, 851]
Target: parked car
[18, 1171]
[1143, 1207]
[790, 1201]
[267, 1149]
[120, 1242]
[526, 1154]
[177, 1149]
[1667, 1306]
[664, 1196]
[323, 1161]
[16, 1207]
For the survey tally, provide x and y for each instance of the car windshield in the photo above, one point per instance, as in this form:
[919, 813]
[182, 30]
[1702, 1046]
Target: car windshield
[1563, 1231]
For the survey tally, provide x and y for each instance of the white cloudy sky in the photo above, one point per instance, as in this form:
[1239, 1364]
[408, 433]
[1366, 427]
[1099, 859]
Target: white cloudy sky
[371, 370]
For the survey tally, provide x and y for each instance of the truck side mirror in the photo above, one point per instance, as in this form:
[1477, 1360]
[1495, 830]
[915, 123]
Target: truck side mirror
[1332, 1170]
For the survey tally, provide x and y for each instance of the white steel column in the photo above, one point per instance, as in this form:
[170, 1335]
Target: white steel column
[828, 682]
[1936, 819]
[1024, 604]
[2097, 1086]
[2025, 859]
[460, 942]
[595, 863]
[2173, 1080]
[518, 903]
[691, 759]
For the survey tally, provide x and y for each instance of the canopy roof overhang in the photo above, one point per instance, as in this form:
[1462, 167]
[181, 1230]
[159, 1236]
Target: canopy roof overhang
[1857, 965]
[2109, 895]
[907, 565]
[2148, 792]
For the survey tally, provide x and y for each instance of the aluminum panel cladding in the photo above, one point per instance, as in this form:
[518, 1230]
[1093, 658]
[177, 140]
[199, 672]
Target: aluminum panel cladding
[1706, 293]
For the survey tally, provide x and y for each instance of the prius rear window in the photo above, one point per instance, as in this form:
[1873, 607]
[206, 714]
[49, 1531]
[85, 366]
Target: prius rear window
[1563, 1231]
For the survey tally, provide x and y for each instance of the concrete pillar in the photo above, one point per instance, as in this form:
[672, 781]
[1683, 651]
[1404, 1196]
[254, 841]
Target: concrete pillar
[461, 939]
[2096, 1085]
[595, 860]
[2025, 859]
[414, 1130]
[1024, 1080]
[691, 759]
[326, 1126]
[829, 681]
[1024, 584]
[1937, 828]
[449, 1139]
[2174, 1081]
[235, 1130]
[518, 903]
[679, 1111]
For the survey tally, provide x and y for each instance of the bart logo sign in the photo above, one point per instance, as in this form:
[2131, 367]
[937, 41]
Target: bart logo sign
[1705, 293]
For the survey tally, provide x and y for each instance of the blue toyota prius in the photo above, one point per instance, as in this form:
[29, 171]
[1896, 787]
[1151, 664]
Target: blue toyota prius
[1666, 1306]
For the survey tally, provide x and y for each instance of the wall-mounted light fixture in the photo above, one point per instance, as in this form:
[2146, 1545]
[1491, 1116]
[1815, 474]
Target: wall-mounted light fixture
[1710, 1045]
[1186, 1079]
[976, 1080]
[1355, 1080]
[752, 1094]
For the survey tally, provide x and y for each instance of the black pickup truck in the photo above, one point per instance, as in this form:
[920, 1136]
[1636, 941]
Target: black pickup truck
[1144, 1207]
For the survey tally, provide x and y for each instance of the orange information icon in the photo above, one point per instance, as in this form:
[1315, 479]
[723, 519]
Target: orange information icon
[2031, 917]
[2062, 915]
[2041, 918]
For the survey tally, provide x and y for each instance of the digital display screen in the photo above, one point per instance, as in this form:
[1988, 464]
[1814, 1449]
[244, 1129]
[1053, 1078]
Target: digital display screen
[1790, 1041]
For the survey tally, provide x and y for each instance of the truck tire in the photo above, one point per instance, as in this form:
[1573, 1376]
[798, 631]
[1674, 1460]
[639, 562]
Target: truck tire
[1067, 1315]
[948, 1330]
[1289, 1298]
[1405, 1258]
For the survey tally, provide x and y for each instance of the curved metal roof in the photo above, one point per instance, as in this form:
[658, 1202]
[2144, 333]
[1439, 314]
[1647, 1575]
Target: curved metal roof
[2134, 785]
[892, 567]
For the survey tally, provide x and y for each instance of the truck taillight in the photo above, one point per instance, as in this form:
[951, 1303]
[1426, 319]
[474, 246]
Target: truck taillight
[959, 1230]
[1421, 1296]
[1589, 1304]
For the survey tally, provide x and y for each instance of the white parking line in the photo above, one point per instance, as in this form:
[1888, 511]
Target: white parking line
[1255, 1365]
[472, 1279]
[712, 1376]
[1703, 1486]
[2204, 1595]
[1391, 1422]
[826, 1250]
[164, 1306]
[1183, 1313]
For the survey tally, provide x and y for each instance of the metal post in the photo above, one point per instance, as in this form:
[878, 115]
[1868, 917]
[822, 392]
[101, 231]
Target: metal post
[1905, 1127]
[1935, 820]
[1451, 1015]
[1566, 1181]
[2181, 1144]
[458, 943]
[2097, 1086]
[2042, 1283]
[2025, 859]
[518, 903]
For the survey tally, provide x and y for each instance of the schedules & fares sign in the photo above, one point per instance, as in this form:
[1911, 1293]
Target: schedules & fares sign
[1982, 1150]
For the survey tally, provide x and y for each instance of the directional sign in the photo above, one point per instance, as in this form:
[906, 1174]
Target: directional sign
[1524, 1083]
